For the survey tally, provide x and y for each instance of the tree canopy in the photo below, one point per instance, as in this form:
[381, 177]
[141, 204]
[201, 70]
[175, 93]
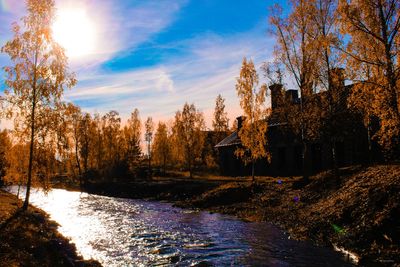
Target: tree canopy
[37, 77]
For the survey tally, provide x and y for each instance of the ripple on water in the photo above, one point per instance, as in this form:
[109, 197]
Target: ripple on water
[125, 232]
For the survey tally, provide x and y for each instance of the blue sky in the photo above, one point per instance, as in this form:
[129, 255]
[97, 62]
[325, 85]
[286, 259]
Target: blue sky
[157, 55]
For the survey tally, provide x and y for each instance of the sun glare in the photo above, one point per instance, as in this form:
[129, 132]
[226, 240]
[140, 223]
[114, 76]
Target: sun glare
[74, 31]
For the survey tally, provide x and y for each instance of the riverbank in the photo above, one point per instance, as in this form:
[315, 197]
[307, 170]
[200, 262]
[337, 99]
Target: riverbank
[30, 238]
[360, 212]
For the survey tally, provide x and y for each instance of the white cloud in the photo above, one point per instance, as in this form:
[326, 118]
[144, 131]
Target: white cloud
[121, 26]
[124, 83]
[165, 83]
[209, 68]
[208, 65]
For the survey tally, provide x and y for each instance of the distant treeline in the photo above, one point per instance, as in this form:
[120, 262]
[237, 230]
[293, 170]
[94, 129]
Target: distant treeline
[79, 146]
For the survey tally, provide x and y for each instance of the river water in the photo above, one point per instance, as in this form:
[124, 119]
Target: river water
[128, 232]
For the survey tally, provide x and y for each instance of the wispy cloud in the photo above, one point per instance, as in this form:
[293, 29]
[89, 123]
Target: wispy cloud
[210, 67]
[121, 27]
[205, 64]
[122, 83]
[10, 12]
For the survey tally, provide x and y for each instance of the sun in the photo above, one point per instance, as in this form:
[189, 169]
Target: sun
[74, 31]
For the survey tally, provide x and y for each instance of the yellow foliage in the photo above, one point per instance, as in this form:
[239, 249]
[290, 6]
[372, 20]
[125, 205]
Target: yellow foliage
[220, 122]
[253, 133]
[372, 56]
[188, 135]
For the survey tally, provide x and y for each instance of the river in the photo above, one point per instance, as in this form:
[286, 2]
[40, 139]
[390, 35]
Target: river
[130, 232]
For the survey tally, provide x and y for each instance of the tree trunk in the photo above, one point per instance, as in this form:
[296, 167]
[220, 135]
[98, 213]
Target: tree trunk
[28, 184]
[390, 73]
[335, 163]
[78, 164]
[190, 168]
[253, 179]
[149, 163]
[332, 89]
[85, 163]
[164, 165]
[369, 142]
[306, 163]
[150, 175]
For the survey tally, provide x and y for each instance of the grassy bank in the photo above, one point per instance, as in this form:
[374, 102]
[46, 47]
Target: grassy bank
[360, 212]
[29, 238]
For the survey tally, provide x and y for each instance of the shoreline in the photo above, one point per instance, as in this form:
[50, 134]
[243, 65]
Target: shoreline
[356, 214]
[30, 238]
[359, 214]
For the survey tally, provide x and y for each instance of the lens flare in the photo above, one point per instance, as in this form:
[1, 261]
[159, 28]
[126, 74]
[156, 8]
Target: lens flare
[74, 30]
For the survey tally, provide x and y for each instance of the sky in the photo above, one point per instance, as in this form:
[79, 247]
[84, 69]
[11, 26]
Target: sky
[155, 55]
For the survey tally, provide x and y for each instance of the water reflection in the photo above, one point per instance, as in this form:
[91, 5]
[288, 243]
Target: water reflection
[125, 232]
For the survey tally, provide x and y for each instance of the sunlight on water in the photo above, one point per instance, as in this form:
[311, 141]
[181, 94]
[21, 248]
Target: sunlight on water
[125, 232]
[65, 208]
[351, 256]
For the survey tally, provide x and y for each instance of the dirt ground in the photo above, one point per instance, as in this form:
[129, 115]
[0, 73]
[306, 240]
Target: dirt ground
[29, 238]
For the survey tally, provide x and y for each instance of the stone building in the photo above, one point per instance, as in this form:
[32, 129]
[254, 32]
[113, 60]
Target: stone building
[286, 146]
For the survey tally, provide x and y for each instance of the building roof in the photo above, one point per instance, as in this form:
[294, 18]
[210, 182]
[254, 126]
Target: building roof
[232, 139]
[275, 121]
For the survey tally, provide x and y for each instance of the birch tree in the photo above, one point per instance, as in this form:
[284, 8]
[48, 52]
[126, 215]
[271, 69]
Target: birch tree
[188, 133]
[296, 51]
[132, 132]
[161, 145]
[72, 115]
[373, 61]
[220, 122]
[328, 73]
[38, 74]
[86, 132]
[253, 133]
[149, 126]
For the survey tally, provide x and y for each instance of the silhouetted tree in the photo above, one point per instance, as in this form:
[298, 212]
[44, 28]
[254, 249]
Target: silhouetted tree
[328, 73]
[296, 50]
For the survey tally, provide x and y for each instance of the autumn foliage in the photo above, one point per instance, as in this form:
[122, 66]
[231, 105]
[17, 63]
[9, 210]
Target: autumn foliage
[322, 47]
